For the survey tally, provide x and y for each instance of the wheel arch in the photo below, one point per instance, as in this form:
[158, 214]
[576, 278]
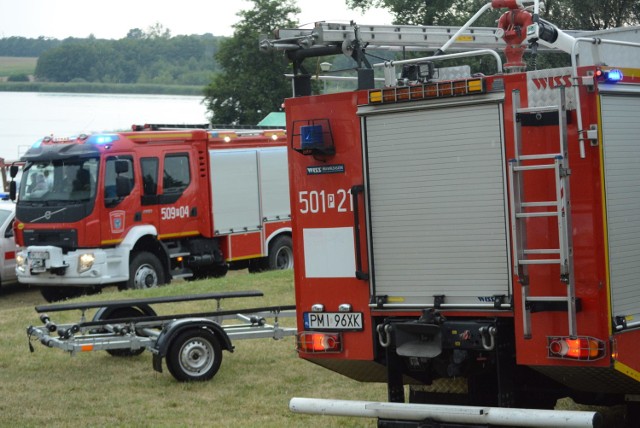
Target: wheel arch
[283, 231]
[172, 330]
[147, 240]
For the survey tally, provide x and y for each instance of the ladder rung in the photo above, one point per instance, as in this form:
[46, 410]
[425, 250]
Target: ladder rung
[541, 109]
[540, 262]
[547, 299]
[540, 214]
[533, 167]
[542, 251]
[540, 156]
[539, 204]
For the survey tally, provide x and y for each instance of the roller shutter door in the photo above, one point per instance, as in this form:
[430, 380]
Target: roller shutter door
[437, 205]
[621, 146]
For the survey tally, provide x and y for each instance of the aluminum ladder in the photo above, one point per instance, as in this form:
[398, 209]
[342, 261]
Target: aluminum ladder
[389, 37]
[521, 210]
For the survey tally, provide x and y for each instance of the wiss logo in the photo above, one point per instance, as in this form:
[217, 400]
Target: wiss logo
[552, 82]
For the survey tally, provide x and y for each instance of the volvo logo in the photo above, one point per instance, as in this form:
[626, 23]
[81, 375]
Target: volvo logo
[47, 215]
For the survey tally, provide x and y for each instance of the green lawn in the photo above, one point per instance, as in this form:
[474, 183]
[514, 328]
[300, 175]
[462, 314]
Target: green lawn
[253, 387]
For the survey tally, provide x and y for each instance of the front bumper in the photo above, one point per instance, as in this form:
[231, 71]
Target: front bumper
[48, 265]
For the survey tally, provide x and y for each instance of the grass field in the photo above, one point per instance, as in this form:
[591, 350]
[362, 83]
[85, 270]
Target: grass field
[252, 389]
[17, 65]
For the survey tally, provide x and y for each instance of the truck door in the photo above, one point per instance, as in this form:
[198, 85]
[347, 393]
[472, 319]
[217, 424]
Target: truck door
[436, 205]
[120, 210]
[179, 200]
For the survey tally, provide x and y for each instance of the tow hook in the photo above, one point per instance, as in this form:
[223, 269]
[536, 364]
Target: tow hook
[384, 336]
[488, 335]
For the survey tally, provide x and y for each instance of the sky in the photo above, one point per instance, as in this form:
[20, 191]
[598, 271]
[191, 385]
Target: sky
[113, 19]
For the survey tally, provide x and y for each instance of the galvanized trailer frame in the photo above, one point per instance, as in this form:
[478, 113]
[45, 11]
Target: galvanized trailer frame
[192, 343]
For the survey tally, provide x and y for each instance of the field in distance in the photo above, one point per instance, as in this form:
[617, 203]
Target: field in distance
[10, 65]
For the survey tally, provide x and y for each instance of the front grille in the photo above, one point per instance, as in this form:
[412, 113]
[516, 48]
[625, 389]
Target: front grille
[67, 239]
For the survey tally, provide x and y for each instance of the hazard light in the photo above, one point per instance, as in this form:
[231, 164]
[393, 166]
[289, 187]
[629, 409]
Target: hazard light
[102, 139]
[314, 342]
[427, 91]
[274, 135]
[575, 348]
[225, 136]
[609, 76]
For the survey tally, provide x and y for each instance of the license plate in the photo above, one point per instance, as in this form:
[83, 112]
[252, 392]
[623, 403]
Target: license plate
[333, 320]
[42, 255]
[37, 263]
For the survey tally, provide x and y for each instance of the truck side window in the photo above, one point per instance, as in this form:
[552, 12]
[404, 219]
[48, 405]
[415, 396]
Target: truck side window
[110, 196]
[176, 175]
[149, 168]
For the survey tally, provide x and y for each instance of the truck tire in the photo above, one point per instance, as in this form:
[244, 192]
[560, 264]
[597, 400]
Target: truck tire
[194, 355]
[145, 271]
[281, 253]
[55, 293]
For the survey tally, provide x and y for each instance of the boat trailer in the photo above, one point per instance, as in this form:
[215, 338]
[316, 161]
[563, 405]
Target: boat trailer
[191, 343]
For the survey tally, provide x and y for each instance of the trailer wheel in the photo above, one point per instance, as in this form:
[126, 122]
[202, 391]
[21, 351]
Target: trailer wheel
[145, 271]
[281, 253]
[125, 312]
[194, 355]
[55, 293]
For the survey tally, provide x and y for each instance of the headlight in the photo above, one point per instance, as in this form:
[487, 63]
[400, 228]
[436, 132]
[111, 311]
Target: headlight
[85, 262]
[21, 263]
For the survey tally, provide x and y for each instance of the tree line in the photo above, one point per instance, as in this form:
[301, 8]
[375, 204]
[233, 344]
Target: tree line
[152, 57]
[242, 84]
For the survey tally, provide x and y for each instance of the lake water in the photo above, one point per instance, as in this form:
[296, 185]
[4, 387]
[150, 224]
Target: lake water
[26, 117]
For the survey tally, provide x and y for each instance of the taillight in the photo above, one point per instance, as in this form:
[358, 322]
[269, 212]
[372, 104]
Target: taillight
[314, 342]
[575, 348]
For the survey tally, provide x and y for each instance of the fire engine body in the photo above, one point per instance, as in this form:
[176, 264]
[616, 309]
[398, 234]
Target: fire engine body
[476, 238]
[153, 205]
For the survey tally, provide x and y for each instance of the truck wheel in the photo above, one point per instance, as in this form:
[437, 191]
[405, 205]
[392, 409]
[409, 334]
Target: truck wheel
[194, 355]
[145, 271]
[55, 294]
[219, 271]
[281, 253]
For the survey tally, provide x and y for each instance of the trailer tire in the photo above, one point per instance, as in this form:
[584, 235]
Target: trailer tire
[281, 253]
[194, 355]
[124, 312]
[145, 271]
[56, 294]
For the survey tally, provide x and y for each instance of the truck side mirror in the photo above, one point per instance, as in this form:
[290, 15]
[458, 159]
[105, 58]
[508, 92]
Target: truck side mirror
[122, 166]
[13, 190]
[123, 186]
[13, 170]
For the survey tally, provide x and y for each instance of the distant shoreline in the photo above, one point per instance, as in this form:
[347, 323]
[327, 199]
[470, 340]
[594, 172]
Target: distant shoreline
[102, 88]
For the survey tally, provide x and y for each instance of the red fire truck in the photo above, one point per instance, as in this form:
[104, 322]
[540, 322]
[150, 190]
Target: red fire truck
[473, 236]
[139, 208]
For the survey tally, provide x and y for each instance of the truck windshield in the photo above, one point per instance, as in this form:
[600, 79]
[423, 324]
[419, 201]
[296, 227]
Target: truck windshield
[59, 181]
